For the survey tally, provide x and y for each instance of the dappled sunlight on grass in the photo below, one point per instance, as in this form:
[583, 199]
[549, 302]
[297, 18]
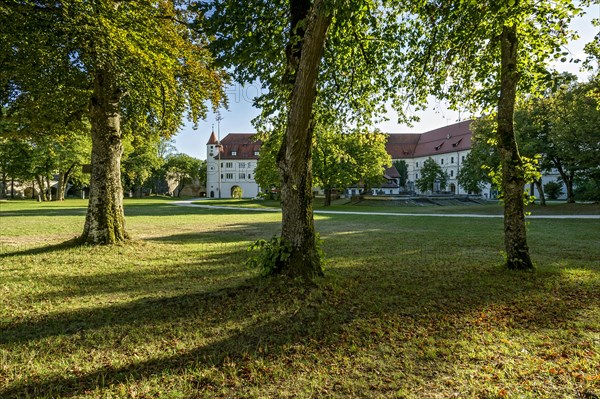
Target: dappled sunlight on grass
[409, 308]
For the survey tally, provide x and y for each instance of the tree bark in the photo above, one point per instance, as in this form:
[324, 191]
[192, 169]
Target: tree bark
[327, 196]
[3, 188]
[60, 195]
[63, 182]
[570, 192]
[105, 219]
[513, 179]
[567, 178]
[294, 158]
[540, 188]
[42, 191]
[49, 194]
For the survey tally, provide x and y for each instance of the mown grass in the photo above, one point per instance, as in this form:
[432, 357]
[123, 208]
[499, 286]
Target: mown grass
[410, 307]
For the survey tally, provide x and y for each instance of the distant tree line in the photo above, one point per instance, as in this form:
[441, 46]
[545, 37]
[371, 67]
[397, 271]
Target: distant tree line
[34, 164]
[560, 130]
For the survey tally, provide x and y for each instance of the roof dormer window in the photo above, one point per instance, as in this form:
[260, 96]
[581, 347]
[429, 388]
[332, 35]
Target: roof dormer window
[233, 153]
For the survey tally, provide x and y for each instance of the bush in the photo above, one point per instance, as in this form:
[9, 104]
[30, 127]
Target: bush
[588, 190]
[236, 192]
[271, 255]
[553, 190]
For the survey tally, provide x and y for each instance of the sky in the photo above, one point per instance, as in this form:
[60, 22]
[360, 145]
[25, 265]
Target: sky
[237, 119]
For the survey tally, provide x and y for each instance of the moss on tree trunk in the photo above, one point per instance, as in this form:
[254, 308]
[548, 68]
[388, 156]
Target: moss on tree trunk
[105, 219]
[295, 156]
[513, 179]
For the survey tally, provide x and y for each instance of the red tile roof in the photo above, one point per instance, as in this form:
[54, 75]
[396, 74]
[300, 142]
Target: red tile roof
[213, 139]
[446, 139]
[443, 140]
[391, 173]
[402, 145]
[239, 146]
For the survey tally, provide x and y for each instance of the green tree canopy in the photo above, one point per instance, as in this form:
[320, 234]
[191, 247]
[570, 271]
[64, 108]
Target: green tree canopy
[136, 65]
[432, 175]
[343, 159]
[482, 55]
[402, 169]
[184, 169]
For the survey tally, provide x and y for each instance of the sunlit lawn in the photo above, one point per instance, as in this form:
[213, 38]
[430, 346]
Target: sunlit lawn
[485, 208]
[410, 307]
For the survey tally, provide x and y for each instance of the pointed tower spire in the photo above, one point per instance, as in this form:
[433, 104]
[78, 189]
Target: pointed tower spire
[213, 138]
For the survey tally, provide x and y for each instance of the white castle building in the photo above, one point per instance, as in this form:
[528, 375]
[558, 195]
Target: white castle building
[231, 163]
[448, 146]
[230, 166]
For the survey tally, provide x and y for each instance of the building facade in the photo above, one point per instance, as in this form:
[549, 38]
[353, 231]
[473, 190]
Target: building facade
[230, 166]
[231, 163]
[448, 146]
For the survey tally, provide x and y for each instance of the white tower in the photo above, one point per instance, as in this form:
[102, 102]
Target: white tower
[212, 167]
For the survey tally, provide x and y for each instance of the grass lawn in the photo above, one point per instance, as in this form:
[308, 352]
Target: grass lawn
[492, 208]
[410, 307]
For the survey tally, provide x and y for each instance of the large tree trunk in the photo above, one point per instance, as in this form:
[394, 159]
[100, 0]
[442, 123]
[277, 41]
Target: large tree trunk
[60, 195]
[49, 194]
[540, 188]
[63, 182]
[513, 179]
[294, 158]
[567, 178]
[42, 192]
[327, 196]
[3, 188]
[105, 219]
[570, 192]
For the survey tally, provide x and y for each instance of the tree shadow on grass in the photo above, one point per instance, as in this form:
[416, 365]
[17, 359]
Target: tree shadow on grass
[145, 311]
[62, 246]
[233, 232]
[430, 295]
[315, 324]
[241, 346]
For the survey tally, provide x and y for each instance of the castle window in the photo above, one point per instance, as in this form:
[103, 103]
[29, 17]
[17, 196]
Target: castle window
[229, 175]
[242, 176]
[255, 153]
[442, 161]
[234, 153]
[451, 159]
[242, 165]
[229, 165]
